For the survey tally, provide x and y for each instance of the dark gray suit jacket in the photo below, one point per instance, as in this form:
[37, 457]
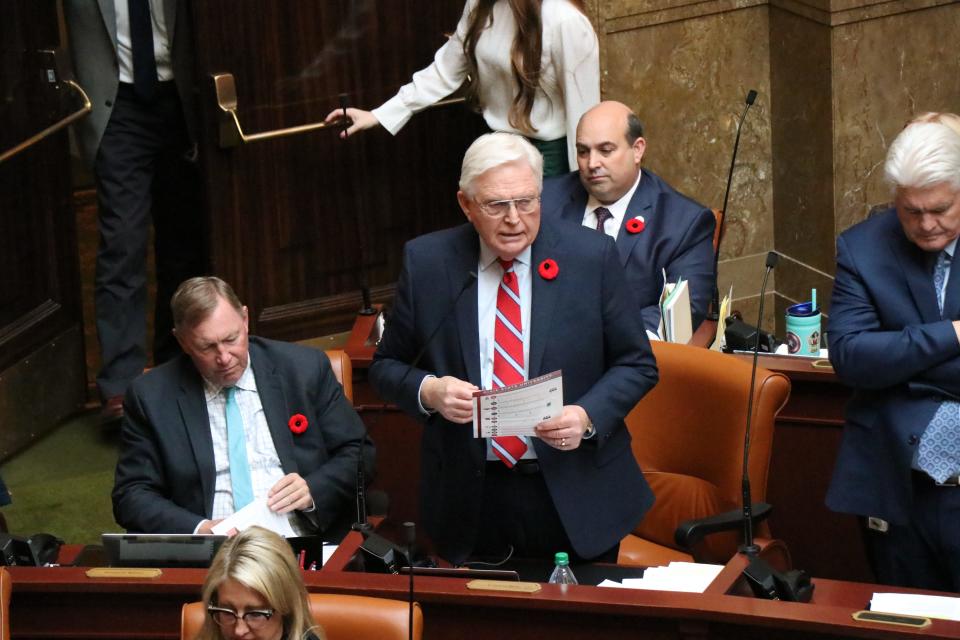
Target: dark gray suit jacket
[678, 237]
[582, 322]
[92, 31]
[165, 474]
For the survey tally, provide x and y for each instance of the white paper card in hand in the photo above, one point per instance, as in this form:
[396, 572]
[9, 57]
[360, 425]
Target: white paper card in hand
[517, 409]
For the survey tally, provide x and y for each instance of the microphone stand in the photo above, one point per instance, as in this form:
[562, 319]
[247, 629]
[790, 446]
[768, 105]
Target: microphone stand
[749, 548]
[366, 308]
[411, 536]
[715, 303]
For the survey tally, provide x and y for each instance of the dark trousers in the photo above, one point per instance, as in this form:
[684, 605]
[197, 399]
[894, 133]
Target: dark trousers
[925, 553]
[145, 172]
[518, 512]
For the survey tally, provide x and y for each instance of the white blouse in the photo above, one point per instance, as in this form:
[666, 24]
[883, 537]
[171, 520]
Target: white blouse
[569, 84]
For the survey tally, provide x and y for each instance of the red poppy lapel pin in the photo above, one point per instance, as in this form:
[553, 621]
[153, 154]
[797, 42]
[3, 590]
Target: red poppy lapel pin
[298, 423]
[548, 269]
[636, 224]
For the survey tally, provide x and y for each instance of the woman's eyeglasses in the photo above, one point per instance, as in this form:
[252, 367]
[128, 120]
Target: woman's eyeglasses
[255, 618]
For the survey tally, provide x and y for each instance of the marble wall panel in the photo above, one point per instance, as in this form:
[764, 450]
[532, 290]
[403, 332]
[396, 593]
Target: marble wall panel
[687, 79]
[886, 70]
[800, 80]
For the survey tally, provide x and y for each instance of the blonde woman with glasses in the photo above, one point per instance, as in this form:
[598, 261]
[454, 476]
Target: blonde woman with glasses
[254, 591]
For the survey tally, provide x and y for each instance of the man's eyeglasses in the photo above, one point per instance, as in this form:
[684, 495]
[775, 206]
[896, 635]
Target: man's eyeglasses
[255, 618]
[500, 208]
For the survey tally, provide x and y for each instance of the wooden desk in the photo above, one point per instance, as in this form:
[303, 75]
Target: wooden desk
[63, 603]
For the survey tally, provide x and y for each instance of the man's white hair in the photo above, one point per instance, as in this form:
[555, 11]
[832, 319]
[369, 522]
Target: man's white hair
[922, 155]
[494, 149]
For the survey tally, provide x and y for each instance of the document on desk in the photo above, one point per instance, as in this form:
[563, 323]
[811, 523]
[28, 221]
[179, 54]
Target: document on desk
[256, 513]
[689, 577]
[517, 409]
[912, 604]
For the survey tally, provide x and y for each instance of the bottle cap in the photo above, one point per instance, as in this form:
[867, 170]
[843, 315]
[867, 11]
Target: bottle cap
[561, 559]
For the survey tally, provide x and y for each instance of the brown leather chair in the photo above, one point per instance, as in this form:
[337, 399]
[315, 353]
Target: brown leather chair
[718, 218]
[342, 617]
[5, 589]
[688, 438]
[343, 369]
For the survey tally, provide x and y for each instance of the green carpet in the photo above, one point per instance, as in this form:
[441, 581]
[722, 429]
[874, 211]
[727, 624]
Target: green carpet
[61, 484]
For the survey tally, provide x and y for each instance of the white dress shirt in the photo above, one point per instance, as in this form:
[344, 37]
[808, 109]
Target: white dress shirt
[569, 84]
[618, 210]
[489, 275]
[161, 43]
[265, 468]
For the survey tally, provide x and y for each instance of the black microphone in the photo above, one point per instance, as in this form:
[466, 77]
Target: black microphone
[748, 547]
[376, 546]
[411, 535]
[715, 303]
[361, 524]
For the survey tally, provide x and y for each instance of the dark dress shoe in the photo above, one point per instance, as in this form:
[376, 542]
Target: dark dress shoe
[111, 412]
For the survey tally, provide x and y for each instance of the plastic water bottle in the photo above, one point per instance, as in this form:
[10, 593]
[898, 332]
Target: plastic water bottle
[562, 574]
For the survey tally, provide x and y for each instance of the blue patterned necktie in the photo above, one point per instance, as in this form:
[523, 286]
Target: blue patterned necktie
[939, 454]
[241, 485]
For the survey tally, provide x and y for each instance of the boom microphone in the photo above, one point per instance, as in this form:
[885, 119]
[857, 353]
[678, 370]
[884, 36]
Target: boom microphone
[379, 549]
[715, 303]
[748, 547]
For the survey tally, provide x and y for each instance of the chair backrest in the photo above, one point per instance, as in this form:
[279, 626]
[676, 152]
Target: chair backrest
[688, 435]
[343, 617]
[343, 370]
[718, 217]
[5, 589]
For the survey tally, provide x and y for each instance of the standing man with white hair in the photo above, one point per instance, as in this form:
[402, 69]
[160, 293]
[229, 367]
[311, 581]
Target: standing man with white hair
[895, 337]
[495, 302]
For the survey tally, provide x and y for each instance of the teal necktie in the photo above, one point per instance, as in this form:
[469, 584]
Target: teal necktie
[240, 482]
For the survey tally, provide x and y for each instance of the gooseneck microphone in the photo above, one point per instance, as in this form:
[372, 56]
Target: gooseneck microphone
[715, 303]
[765, 581]
[384, 552]
[748, 547]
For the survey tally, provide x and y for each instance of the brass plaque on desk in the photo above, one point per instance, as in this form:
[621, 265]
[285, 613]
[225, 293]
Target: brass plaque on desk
[503, 585]
[121, 572]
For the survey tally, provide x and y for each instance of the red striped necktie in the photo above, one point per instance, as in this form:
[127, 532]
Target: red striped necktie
[508, 355]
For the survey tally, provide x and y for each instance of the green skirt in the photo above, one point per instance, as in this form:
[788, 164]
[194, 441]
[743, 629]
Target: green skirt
[554, 154]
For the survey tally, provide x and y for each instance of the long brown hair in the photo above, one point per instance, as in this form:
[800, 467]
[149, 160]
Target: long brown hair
[524, 55]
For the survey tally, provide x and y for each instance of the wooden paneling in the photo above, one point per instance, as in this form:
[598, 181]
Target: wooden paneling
[297, 224]
[39, 282]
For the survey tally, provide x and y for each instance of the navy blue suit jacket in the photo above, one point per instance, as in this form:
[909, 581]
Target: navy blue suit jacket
[582, 322]
[888, 341]
[678, 237]
[165, 474]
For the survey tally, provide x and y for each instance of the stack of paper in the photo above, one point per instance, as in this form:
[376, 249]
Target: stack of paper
[676, 321]
[721, 339]
[912, 604]
[689, 577]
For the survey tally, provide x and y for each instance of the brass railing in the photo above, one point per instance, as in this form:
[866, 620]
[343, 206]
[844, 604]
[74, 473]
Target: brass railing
[57, 126]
